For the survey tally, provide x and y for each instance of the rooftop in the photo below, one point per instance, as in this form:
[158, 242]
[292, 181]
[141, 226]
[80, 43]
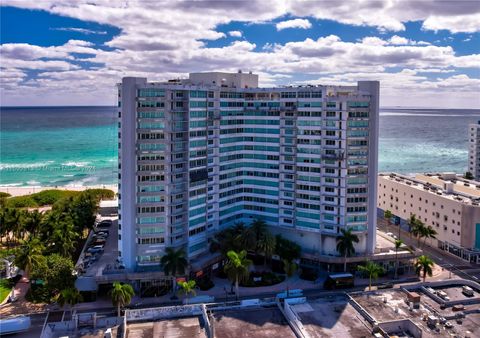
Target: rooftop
[447, 185]
[392, 305]
[183, 327]
[331, 317]
[255, 322]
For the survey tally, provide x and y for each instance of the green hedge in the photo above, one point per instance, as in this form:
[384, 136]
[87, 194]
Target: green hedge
[4, 194]
[51, 196]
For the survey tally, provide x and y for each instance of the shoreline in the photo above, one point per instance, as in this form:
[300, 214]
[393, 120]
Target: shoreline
[27, 190]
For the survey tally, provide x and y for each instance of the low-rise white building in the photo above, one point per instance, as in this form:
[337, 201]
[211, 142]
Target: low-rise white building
[446, 202]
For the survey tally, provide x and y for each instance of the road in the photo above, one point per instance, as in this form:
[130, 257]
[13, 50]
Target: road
[449, 262]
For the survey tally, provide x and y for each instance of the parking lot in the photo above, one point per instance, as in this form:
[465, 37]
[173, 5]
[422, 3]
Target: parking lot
[455, 293]
[101, 251]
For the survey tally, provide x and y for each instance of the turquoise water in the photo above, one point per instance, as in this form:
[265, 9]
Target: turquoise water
[58, 146]
[78, 145]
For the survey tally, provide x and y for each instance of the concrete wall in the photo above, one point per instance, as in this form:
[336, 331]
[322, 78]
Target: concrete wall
[127, 154]
[372, 87]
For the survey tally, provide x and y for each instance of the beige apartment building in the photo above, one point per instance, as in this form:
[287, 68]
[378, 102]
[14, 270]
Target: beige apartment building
[446, 202]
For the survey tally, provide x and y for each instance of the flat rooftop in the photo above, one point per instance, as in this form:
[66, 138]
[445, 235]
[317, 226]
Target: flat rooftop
[463, 191]
[257, 322]
[332, 317]
[391, 305]
[172, 328]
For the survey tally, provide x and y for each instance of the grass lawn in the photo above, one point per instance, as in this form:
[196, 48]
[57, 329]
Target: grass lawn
[5, 289]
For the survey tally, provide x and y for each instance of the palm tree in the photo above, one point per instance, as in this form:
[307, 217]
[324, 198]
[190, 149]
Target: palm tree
[12, 224]
[373, 270]
[290, 267]
[122, 295]
[174, 263]
[69, 297]
[388, 216]
[417, 230]
[30, 254]
[237, 267]
[424, 264]
[266, 245]
[32, 221]
[188, 288]
[345, 245]
[398, 244]
[427, 232]
[245, 239]
[64, 237]
[412, 220]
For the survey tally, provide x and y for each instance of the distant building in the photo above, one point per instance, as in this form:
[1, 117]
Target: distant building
[201, 154]
[474, 149]
[446, 202]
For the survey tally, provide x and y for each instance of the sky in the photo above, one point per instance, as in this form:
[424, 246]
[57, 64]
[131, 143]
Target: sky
[425, 53]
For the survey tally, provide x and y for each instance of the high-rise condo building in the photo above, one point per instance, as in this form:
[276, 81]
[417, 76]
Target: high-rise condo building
[474, 149]
[201, 154]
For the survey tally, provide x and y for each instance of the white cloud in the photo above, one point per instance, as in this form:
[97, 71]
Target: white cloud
[235, 34]
[398, 40]
[79, 30]
[170, 42]
[455, 24]
[295, 23]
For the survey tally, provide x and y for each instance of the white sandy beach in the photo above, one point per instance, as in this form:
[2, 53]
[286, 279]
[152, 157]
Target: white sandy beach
[20, 191]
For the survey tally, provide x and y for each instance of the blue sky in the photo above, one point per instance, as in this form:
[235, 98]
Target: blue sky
[425, 53]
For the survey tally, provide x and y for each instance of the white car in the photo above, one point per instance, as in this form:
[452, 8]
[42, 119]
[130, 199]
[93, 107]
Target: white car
[389, 234]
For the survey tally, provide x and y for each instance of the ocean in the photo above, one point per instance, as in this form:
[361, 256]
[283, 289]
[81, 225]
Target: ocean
[57, 146]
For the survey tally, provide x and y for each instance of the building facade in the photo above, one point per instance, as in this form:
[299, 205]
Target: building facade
[201, 154]
[446, 202]
[474, 150]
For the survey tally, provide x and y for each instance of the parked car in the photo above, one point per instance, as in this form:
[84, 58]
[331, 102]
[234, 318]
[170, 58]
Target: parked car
[431, 290]
[95, 249]
[105, 223]
[389, 234]
[467, 291]
[386, 285]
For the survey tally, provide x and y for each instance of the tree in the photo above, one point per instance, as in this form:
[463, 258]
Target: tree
[286, 249]
[372, 269]
[412, 220]
[427, 232]
[259, 230]
[58, 274]
[12, 224]
[187, 288]
[174, 263]
[398, 244]
[417, 230]
[64, 237]
[266, 245]
[69, 297]
[290, 267]
[468, 176]
[33, 221]
[122, 295]
[237, 267]
[424, 264]
[345, 244]
[231, 239]
[388, 216]
[30, 254]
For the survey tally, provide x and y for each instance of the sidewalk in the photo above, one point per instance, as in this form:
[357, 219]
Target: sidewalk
[21, 306]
